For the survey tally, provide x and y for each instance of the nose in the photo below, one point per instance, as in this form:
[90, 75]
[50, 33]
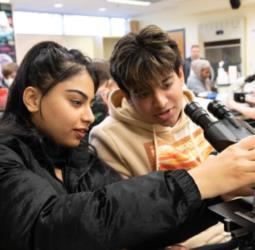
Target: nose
[87, 115]
[160, 98]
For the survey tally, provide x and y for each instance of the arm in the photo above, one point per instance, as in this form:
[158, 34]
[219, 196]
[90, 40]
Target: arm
[242, 108]
[124, 214]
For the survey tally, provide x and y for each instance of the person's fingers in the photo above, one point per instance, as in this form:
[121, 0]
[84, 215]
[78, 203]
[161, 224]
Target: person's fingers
[247, 143]
[244, 156]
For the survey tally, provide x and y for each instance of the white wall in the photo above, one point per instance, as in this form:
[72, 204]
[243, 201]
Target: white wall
[250, 40]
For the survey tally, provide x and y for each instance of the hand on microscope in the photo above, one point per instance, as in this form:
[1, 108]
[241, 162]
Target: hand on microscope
[235, 166]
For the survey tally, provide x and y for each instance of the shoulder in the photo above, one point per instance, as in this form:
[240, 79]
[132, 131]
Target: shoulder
[192, 79]
[15, 146]
[13, 151]
[11, 142]
[107, 126]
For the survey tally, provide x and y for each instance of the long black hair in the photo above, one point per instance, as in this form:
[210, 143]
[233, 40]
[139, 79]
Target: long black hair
[45, 65]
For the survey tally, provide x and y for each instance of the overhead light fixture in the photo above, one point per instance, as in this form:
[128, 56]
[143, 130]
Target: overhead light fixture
[102, 9]
[131, 2]
[58, 5]
[5, 1]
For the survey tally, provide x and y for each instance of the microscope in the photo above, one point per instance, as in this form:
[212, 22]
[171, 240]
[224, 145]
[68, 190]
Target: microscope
[240, 96]
[222, 130]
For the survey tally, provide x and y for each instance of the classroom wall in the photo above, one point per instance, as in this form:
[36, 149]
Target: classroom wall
[24, 42]
[94, 46]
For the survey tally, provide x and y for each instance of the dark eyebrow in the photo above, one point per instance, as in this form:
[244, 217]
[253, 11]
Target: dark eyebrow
[78, 92]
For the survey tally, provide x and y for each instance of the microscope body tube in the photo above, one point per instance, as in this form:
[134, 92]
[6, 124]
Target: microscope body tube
[220, 137]
[220, 133]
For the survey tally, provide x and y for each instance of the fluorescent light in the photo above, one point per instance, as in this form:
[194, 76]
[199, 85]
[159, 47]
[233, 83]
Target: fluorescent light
[130, 2]
[102, 9]
[5, 1]
[58, 5]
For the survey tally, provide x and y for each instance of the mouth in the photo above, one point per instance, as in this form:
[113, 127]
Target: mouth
[165, 114]
[80, 133]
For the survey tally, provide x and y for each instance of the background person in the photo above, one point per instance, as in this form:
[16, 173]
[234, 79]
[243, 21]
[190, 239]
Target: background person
[201, 78]
[194, 55]
[106, 86]
[9, 71]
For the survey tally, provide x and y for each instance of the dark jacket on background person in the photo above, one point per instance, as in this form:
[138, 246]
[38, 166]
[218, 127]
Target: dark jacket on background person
[186, 68]
[90, 209]
[100, 110]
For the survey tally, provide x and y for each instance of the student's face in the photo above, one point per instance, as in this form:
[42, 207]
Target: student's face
[64, 113]
[205, 73]
[164, 105]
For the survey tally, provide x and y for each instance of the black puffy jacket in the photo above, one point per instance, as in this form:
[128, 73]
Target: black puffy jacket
[91, 209]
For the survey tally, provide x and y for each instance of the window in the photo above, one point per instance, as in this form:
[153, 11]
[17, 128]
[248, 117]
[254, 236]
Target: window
[59, 24]
[86, 25]
[118, 26]
[37, 23]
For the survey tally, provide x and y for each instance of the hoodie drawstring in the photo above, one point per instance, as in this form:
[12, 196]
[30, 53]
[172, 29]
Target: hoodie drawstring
[156, 148]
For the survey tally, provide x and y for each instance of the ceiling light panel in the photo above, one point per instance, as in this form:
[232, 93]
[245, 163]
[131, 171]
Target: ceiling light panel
[131, 2]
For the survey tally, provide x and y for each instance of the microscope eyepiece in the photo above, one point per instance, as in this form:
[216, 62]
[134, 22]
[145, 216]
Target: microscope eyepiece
[219, 110]
[223, 131]
[197, 114]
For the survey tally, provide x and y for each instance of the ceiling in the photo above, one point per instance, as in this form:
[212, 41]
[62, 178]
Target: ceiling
[91, 7]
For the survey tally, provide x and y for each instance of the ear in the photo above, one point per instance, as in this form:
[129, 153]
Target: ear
[181, 75]
[31, 99]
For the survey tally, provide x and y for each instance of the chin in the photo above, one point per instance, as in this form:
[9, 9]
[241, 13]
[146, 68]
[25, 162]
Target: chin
[170, 123]
[72, 144]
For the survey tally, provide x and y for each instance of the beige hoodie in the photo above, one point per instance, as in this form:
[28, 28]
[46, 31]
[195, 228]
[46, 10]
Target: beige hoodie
[134, 147]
